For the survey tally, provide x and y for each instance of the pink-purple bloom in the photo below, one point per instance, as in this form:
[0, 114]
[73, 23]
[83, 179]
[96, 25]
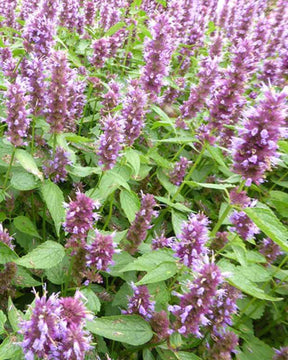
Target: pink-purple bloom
[191, 243]
[224, 346]
[178, 173]
[281, 354]
[140, 302]
[270, 250]
[142, 223]
[255, 150]
[55, 168]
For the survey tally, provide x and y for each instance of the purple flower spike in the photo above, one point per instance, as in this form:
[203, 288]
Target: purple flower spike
[255, 151]
[142, 223]
[157, 54]
[5, 237]
[281, 354]
[80, 218]
[140, 303]
[7, 63]
[111, 141]
[224, 346]
[100, 252]
[178, 173]
[133, 112]
[17, 115]
[56, 167]
[193, 238]
[243, 225]
[194, 306]
[270, 250]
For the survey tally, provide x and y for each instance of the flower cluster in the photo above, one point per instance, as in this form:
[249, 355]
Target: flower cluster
[142, 223]
[192, 239]
[55, 329]
[79, 219]
[255, 150]
[111, 141]
[281, 354]
[140, 303]
[55, 169]
[270, 250]
[133, 112]
[17, 118]
[178, 173]
[224, 346]
[160, 242]
[196, 304]
[242, 224]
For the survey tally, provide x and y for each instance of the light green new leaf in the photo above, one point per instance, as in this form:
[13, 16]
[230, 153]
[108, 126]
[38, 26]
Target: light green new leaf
[93, 303]
[6, 254]
[28, 163]
[3, 320]
[22, 180]
[54, 200]
[25, 225]
[266, 220]
[44, 256]
[129, 329]
[160, 273]
[129, 203]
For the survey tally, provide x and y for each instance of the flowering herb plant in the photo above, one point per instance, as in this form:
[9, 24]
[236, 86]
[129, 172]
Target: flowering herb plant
[143, 180]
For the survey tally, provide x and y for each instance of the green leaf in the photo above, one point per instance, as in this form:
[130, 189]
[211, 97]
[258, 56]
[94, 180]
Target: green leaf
[54, 200]
[208, 185]
[93, 303]
[150, 261]
[10, 350]
[25, 225]
[177, 206]
[162, 272]
[14, 315]
[255, 349]
[22, 180]
[6, 254]
[3, 320]
[177, 221]
[113, 29]
[28, 162]
[266, 220]
[24, 279]
[133, 159]
[45, 256]
[58, 274]
[129, 329]
[129, 203]
[279, 200]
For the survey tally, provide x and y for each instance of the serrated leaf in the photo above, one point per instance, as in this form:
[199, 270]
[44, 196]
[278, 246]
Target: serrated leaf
[14, 315]
[208, 185]
[266, 220]
[177, 221]
[54, 200]
[133, 159]
[28, 162]
[22, 180]
[3, 320]
[10, 350]
[58, 274]
[255, 349]
[25, 225]
[6, 254]
[93, 303]
[129, 329]
[279, 200]
[129, 203]
[162, 272]
[149, 261]
[44, 256]
[24, 279]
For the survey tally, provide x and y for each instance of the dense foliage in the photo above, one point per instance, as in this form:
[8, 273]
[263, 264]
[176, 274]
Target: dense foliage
[143, 175]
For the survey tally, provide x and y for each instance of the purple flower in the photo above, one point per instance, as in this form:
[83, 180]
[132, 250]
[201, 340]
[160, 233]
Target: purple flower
[224, 307]
[70, 16]
[8, 12]
[243, 225]
[160, 242]
[239, 198]
[195, 305]
[17, 115]
[270, 250]
[40, 28]
[157, 54]
[160, 325]
[27, 8]
[111, 141]
[219, 241]
[109, 14]
[5, 237]
[142, 223]
[193, 239]
[178, 173]
[56, 97]
[100, 252]
[256, 148]
[33, 70]
[55, 329]
[140, 303]
[198, 94]
[80, 218]
[90, 12]
[55, 169]
[111, 98]
[7, 63]
[281, 354]
[134, 112]
[224, 345]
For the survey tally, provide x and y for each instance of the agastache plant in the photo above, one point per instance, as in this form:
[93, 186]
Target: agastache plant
[255, 150]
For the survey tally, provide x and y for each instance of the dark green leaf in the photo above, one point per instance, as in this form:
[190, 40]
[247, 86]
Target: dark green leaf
[25, 225]
[162, 272]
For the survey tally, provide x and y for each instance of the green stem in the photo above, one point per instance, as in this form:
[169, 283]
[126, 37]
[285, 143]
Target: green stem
[9, 169]
[220, 221]
[33, 136]
[44, 223]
